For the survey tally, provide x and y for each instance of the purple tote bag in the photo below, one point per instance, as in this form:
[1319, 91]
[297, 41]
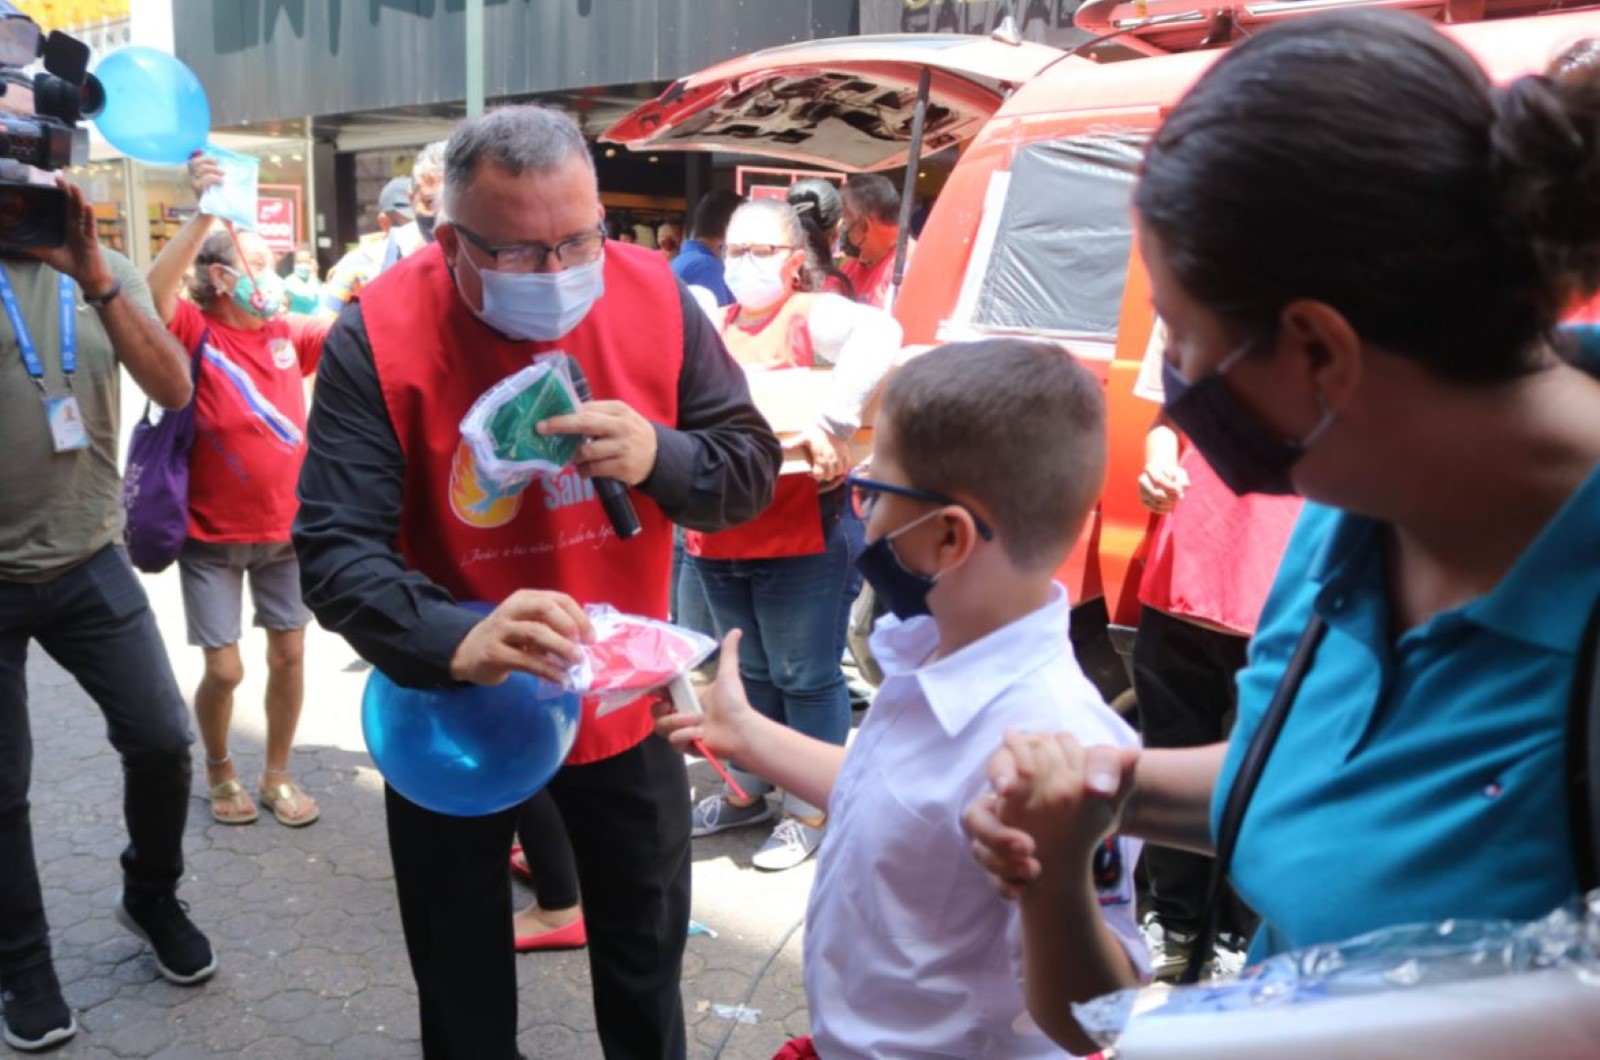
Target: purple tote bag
[155, 487]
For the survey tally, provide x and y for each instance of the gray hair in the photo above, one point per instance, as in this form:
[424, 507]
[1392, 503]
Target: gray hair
[429, 163]
[517, 139]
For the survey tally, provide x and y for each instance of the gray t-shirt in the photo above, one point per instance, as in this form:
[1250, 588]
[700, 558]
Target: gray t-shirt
[58, 509]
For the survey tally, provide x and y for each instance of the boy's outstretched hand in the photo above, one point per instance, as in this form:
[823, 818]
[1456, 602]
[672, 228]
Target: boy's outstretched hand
[726, 715]
[1051, 801]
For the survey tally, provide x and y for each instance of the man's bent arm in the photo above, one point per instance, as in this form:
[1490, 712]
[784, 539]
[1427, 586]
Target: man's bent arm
[352, 574]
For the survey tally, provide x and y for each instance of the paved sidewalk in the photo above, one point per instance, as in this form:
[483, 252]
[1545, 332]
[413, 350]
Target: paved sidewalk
[312, 961]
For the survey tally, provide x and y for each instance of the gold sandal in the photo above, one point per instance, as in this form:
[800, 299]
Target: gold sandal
[285, 797]
[230, 790]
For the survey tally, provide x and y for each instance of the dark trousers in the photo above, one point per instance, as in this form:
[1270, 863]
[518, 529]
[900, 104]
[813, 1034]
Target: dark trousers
[1183, 675]
[548, 851]
[96, 622]
[628, 820]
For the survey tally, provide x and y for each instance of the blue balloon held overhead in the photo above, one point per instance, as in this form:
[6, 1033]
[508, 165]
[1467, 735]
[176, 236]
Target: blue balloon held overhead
[470, 751]
[156, 109]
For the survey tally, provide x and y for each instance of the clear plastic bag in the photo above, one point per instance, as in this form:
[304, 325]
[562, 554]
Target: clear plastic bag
[507, 451]
[1460, 989]
[236, 197]
[633, 655]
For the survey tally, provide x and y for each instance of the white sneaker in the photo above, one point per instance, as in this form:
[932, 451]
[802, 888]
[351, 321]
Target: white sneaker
[790, 844]
[1226, 961]
[1169, 950]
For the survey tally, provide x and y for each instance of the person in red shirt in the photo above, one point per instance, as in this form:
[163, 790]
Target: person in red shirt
[250, 422]
[869, 231]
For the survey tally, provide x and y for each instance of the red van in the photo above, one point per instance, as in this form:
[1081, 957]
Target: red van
[1032, 233]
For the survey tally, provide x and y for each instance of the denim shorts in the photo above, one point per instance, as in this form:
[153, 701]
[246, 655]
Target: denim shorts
[213, 589]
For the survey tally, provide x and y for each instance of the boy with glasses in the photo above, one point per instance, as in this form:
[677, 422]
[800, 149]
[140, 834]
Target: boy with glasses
[989, 457]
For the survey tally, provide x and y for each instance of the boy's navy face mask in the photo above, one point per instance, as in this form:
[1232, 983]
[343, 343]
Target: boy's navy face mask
[903, 591]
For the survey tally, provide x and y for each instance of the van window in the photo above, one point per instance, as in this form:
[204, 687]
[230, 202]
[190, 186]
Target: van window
[1051, 257]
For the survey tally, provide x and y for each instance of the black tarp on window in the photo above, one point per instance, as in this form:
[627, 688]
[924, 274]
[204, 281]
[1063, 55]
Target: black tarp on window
[1060, 255]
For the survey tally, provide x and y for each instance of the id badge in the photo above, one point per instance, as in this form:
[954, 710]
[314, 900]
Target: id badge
[66, 423]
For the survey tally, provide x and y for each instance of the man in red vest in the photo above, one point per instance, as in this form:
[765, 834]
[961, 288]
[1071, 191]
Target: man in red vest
[397, 526]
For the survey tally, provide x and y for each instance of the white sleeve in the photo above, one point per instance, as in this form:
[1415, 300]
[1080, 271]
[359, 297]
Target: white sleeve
[1148, 383]
[861, 343]
[708, 304]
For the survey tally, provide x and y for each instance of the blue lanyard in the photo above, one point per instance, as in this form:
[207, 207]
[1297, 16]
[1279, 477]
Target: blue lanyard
[69, 329]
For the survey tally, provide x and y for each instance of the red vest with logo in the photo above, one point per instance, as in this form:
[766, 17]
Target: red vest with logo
[434, 358]
[792, 524]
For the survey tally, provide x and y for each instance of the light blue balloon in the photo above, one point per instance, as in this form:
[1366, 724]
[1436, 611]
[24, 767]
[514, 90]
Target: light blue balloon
[156, 109]
[470, 751]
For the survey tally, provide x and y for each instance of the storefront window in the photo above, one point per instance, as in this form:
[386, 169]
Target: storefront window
[106, 187]
[374, 169]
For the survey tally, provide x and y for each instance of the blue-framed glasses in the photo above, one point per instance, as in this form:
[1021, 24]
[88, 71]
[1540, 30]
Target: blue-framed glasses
[864, 494]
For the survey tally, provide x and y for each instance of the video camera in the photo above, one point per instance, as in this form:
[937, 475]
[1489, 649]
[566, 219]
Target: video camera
[32, 214]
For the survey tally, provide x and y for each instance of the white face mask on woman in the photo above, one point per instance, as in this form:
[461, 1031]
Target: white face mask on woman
[757, 283]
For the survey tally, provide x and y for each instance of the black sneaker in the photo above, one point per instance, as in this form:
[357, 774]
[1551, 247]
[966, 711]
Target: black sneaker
[183, 954]
[37, 1017]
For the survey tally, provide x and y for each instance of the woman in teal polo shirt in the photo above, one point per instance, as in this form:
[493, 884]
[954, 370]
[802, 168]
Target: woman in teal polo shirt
[1360, 309]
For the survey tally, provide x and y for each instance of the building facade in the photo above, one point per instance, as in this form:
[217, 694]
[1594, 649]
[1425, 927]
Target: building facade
[366, 84]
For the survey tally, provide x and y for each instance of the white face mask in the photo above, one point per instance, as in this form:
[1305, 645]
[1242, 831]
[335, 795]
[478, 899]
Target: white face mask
[540, 306]
[756, 283]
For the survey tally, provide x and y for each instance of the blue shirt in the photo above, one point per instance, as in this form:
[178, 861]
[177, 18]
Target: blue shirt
[1419, 778]
[697, 266]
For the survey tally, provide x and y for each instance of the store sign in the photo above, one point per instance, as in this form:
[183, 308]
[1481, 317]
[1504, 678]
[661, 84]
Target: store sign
[1042, 21]
[277, 222]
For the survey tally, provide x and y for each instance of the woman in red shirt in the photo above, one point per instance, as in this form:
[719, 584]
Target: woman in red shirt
[783, 578]
[250, 420]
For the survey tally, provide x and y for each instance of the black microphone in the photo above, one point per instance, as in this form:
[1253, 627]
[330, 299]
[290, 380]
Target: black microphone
[613, 494]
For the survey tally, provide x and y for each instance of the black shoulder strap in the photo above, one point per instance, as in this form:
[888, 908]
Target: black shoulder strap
[1583, 757]
[1244, 786]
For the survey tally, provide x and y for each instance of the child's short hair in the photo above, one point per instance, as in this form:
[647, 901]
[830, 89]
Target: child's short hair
[1018, 428]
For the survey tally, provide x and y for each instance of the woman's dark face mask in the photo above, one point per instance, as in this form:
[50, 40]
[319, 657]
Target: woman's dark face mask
[1247, 455]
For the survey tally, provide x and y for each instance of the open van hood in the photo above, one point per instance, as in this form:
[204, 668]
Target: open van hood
[844, 103]
[1161, 27]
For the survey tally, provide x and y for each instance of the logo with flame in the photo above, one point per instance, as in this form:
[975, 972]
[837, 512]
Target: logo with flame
[475, 501]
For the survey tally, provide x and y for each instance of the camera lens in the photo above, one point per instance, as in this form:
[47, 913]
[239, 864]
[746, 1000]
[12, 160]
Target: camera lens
[65, 101]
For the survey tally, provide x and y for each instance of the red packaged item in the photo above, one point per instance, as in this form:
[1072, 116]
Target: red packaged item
[632, 656]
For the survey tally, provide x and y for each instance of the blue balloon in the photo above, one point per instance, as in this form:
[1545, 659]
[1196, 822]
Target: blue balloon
[156, 109]
[470, 751]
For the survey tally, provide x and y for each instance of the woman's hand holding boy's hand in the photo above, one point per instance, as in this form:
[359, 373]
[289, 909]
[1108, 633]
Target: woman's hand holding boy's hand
[726, 717]
[1051, 802]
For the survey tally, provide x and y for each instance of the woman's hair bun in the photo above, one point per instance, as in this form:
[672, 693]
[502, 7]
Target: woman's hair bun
[1545, 144]
[818, 199]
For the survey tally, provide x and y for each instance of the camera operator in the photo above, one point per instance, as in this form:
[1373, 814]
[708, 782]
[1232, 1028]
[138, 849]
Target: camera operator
[74, 313]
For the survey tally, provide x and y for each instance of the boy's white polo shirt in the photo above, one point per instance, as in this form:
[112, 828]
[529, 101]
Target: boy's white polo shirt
[908, 952]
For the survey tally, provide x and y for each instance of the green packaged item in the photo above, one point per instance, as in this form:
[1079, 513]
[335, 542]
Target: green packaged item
[513, 426]
[501, 428]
